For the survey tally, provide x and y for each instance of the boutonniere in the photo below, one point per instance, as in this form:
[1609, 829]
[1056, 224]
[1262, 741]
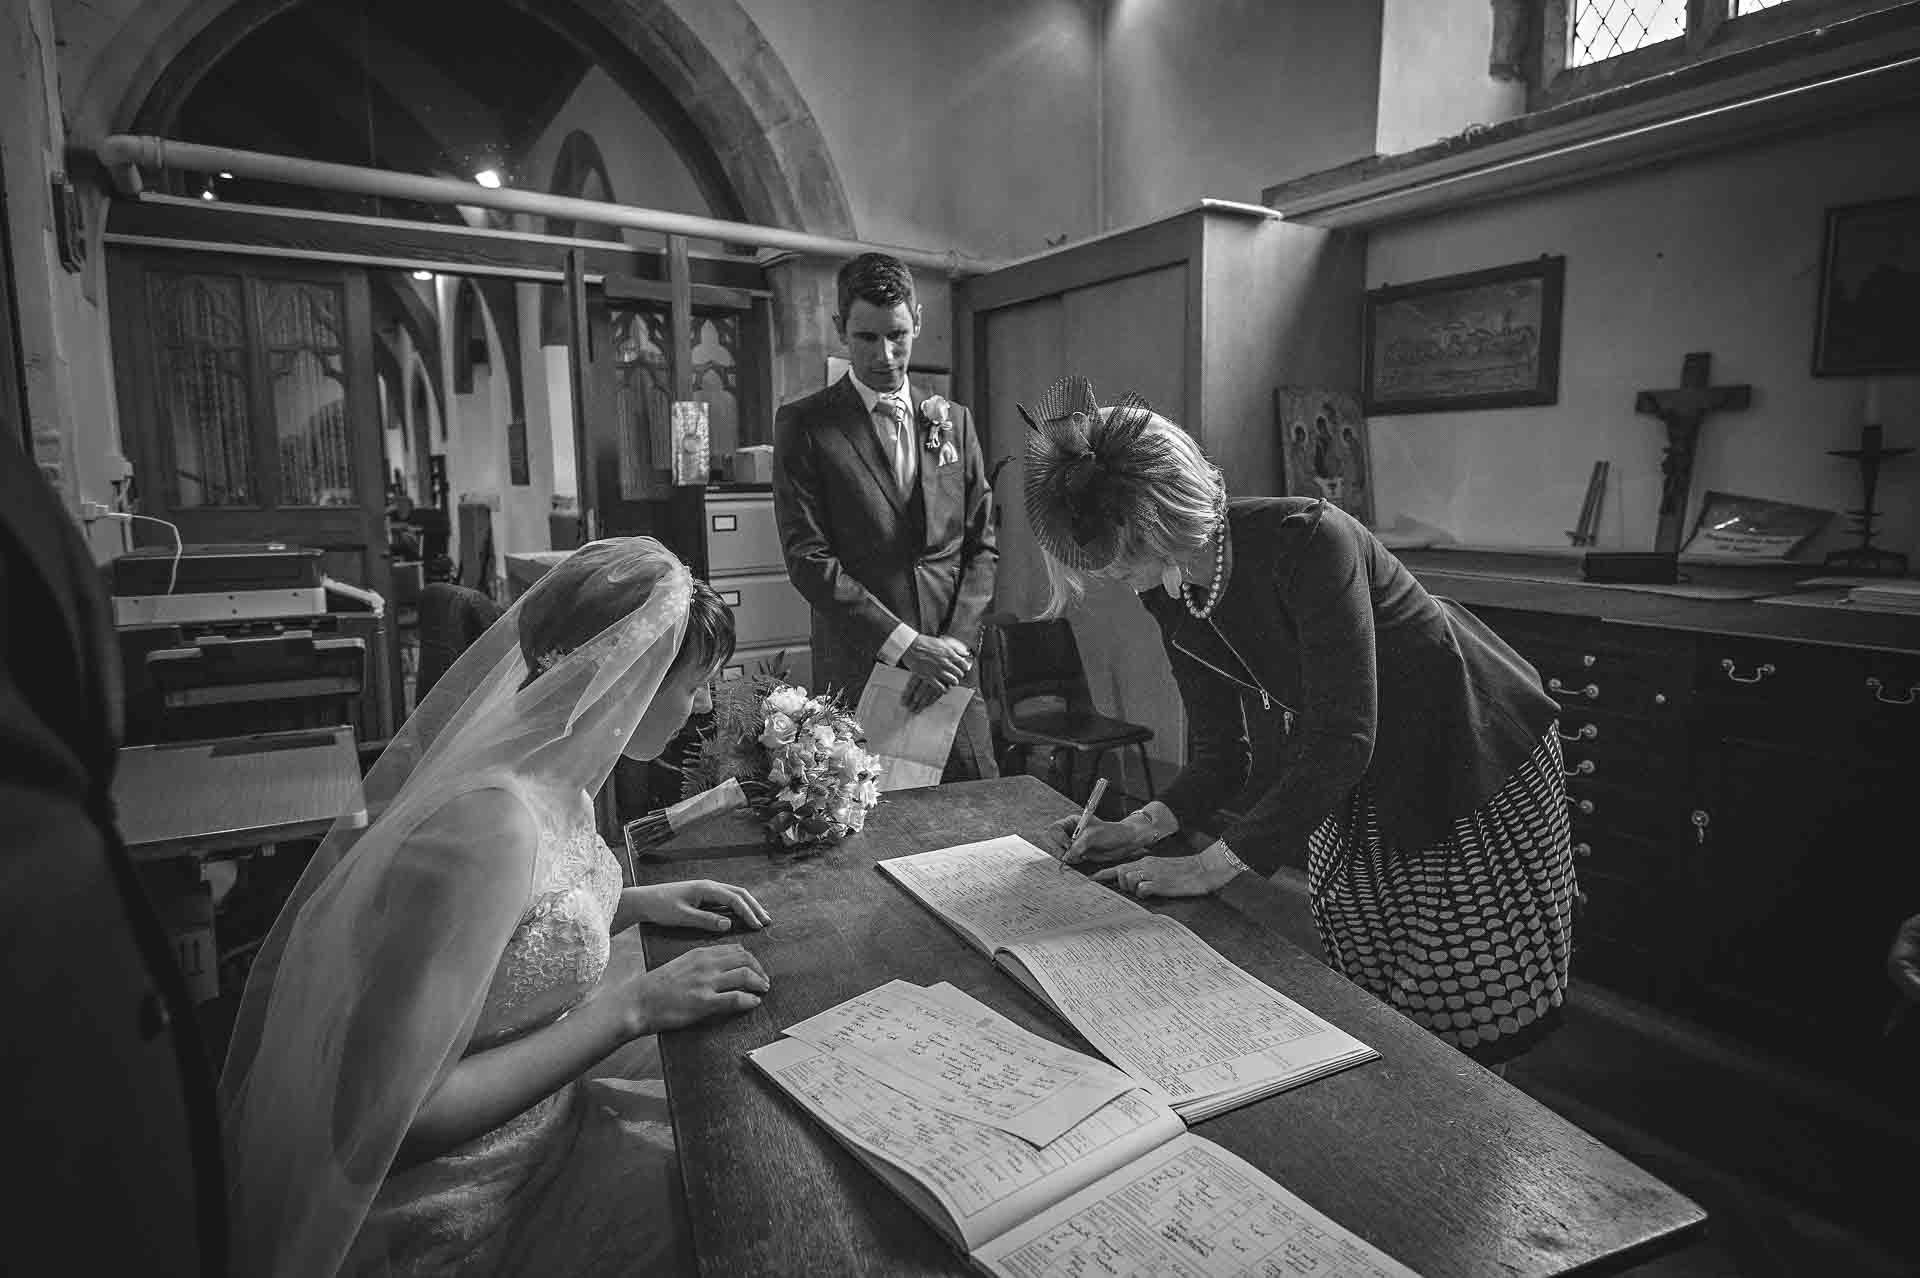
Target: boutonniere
[938, 414]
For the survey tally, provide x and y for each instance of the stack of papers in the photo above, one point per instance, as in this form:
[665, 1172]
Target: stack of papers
[1897, 595]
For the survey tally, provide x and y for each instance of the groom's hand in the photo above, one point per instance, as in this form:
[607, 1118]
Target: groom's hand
[936, 657]
[921, 693]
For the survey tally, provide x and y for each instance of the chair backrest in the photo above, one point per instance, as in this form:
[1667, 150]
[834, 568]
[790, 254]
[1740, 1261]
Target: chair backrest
[1037, 659]
[451, 617]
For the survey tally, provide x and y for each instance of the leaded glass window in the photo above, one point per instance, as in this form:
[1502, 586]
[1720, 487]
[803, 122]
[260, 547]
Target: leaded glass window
[307, 389]
[716, 347]
[1609, 28]
[640, 399]
[201, 355]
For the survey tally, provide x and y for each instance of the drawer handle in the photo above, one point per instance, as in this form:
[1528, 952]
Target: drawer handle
[1760, 672]
[726, 523]
[731, 598]
[1583, 806]
[1586, 660]
[1701, 820]
[1587, 732]
[1583, 849]
[1590, 692]
[1584, 768]
[1879, 693]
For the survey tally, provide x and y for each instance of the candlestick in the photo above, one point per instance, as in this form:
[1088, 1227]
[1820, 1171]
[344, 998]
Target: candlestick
[1871, 410]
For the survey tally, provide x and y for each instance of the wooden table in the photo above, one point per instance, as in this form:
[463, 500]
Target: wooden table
[1423, 1153]
[197, 798]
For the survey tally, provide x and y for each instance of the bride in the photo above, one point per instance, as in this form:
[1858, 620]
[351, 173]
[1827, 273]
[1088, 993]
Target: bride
[412, 1083]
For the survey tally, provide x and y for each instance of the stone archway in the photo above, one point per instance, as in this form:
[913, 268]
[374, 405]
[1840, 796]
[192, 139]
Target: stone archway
[700, 67]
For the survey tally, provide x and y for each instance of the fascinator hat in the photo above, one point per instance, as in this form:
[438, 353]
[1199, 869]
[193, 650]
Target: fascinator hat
[1107, 485]
[1082, 491]
[367, 989]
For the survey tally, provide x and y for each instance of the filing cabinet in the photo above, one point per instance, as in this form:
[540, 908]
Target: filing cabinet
[727, 534]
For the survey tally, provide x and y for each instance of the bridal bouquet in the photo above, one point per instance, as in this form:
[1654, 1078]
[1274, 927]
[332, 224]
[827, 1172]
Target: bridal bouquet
[798, 759]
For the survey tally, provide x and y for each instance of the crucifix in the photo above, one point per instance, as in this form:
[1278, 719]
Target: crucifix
[1683, 409]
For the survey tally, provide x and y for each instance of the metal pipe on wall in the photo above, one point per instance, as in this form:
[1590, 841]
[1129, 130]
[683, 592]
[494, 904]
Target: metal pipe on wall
[123, 151]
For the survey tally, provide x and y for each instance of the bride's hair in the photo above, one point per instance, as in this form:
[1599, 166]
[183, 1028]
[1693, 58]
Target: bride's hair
[575, 609]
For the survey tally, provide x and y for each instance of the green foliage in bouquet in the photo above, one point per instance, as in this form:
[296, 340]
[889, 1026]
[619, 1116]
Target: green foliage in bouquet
[800, 759]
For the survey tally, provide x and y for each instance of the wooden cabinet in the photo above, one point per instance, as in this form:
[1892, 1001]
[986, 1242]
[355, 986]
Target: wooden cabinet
[1624, 696]
[1742, 849]
[1808, 860]
[1203, 313]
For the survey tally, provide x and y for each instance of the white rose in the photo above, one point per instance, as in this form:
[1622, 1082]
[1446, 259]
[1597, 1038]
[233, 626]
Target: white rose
[787, 700]
[868, 792]
[779, 731]
[822, 737]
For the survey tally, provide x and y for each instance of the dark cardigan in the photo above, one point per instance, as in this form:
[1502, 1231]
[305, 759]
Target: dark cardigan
[1402, 692]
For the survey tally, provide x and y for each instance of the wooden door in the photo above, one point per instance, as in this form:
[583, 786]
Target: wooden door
[248, 405]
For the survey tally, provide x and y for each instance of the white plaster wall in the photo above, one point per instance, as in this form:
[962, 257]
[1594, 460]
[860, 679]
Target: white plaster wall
[642, 165]
[966, 126]
[1719, 253]
[1433, 73]
[1223, 98]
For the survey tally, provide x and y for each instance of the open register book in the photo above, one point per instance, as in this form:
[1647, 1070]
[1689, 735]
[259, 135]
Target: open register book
[1155, 999]
[929, 1088]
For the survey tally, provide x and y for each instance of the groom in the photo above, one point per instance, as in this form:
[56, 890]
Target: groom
[886, 517]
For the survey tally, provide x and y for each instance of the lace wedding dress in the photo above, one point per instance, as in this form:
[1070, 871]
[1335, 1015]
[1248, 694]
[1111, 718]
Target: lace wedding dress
[584, 1182]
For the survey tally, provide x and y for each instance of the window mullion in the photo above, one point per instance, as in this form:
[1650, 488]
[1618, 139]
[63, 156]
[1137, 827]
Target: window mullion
[1703, 22]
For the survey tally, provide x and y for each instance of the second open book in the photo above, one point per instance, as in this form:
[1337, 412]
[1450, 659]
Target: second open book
[1037, 1161]
[1152, 997]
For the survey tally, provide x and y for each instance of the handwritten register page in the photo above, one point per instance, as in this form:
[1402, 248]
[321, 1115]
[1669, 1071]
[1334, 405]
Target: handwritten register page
[975, 1065]
[1167, 1008]
[1002, 890]
[1189, 1209]
[1154, 998]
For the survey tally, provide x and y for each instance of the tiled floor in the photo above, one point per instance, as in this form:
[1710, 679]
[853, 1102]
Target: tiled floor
[1799, 1180]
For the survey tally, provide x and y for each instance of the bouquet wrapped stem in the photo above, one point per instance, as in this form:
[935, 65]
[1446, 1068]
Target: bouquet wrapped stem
[648, 832]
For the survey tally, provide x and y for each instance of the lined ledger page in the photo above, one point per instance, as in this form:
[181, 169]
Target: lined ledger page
[981, 1179]
[997, 891]
[1189, 1209]
[959, 1055]
[1172, 1012]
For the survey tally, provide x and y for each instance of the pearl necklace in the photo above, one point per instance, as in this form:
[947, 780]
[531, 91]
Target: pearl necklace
[1222, 567]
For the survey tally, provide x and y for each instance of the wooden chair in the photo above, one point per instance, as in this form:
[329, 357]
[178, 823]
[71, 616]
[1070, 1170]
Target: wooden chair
[1037, 686]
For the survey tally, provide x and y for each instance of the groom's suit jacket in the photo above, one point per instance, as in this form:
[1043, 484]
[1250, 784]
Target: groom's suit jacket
[866, 556]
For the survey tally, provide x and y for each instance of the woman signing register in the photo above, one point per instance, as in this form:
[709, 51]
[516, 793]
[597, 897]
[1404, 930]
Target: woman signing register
[1420, 781]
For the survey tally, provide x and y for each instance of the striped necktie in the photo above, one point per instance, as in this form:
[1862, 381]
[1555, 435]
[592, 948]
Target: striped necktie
[893, 420]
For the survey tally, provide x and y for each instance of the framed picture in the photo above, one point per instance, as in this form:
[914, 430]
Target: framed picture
[1735, 527]
[1483, 339]
[1869, 290]
[1323, 448]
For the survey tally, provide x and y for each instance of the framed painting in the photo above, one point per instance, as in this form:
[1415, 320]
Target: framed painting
[1482, 339]
[1869, 290]
[1323, 448]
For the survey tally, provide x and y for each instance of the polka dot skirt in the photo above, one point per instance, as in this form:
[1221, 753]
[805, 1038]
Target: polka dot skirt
[1470, 937]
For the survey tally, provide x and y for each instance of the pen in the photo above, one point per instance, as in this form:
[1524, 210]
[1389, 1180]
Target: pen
[1086, 814]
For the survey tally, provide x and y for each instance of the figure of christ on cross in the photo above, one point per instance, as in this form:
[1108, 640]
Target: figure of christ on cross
[1683, 409]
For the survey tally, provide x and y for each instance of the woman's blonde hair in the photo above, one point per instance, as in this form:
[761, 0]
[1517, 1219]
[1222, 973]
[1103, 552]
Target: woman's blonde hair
[1175, 495]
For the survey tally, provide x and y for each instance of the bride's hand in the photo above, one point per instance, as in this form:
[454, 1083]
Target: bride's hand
[709, 981]
[694, 903]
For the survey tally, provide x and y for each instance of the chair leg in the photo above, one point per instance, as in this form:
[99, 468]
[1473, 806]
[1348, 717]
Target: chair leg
[1146, 769]
[1094, 763]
